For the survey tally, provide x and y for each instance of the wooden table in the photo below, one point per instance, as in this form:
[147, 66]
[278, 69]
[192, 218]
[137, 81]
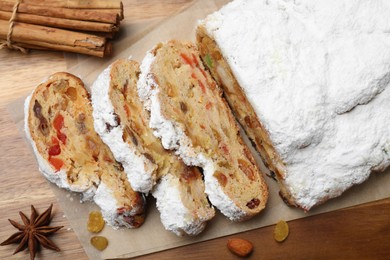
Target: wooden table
[358, 232]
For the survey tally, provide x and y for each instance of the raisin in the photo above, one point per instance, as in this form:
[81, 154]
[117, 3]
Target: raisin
[149, 157]
[43, 125]
[117, 119]
[99, 242]
[222, 179]
[80, 124]
[134, 139]
[281, 231]
[37, 109]
[71, 93]
[95, 222]
[246, 167]
[134, 221]
[128, 133]
[183, 107]
[190, 174]
[254, 203]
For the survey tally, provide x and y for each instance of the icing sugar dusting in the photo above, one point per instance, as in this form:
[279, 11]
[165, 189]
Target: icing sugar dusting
[174, 215]
[317, 74]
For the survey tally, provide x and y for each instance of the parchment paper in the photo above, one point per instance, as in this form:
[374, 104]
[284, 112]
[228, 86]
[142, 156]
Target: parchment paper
[152, 237]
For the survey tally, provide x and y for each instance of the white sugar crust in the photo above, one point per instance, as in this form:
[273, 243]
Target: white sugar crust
[57, 177]
[105, 199]
[174, 215]
[109, 206]
[174, 138]
[138, 169]
[317, 74]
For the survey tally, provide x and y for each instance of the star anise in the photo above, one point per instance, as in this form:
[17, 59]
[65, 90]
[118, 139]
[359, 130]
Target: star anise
[33, 233]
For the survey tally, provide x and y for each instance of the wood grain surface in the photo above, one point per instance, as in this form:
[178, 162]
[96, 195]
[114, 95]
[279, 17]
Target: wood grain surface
[361, 232]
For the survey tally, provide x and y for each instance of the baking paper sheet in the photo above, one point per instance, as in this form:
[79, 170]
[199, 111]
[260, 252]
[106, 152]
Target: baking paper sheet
[152, 237]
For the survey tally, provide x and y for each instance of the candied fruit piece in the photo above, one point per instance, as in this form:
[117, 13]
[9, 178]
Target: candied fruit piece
[281, 231]
[95, 222]
[99, 242]
[56, 162]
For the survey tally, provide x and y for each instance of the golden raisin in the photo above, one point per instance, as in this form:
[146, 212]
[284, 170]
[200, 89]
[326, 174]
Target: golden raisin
[281, 231]
[246, 167]
[221, 178]
[95, 222]
[71, 93]
[99, 242]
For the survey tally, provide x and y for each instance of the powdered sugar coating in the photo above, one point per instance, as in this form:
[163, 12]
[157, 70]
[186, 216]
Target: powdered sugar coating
[174, 215]
[174, 138]
[105, 199]
[109, 206]
[138, 169]
[317, 74]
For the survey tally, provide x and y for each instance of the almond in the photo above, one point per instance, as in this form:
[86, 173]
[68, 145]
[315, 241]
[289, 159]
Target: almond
[239, 246]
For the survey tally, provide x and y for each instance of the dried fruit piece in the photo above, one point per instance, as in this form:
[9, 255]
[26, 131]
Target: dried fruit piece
[58, 122]
[208, 61]
[253, 203]
[56, 162]
[95, 222]
[239, 246]
[54, 150]
[71, 93]
[222, 179]
[187, 59]
[99, 242]
[281, 231]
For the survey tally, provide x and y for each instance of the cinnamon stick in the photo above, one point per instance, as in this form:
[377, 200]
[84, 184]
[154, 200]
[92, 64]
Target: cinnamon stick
[97, 15]
[78, 4]
[61, 22]
[56, 39]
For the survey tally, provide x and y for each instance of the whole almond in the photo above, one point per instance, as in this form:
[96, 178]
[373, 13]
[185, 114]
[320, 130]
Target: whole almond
[239, 246]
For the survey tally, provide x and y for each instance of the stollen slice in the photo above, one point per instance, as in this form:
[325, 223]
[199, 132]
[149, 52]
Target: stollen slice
[191, 117]
[123, 124]
[59, 126]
